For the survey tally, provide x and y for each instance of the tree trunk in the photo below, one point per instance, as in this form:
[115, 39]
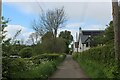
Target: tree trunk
[116, 24]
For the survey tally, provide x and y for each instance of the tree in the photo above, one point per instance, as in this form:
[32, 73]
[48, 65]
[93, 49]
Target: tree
[34, 38]
[106, 38]
[50, 21]
[66, 35]
[109, 33]
[14, 37]
[48, 46]
[6, 46]
[47, 35]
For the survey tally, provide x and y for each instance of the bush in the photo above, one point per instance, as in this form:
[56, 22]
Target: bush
[11, 66]
[74, 55]
[47, 56]
[43, 69]
[26, 52]
[37, 67]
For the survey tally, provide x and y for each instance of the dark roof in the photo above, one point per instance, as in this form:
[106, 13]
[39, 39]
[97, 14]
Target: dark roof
[84, 38]
[92, 32]
[86, 33]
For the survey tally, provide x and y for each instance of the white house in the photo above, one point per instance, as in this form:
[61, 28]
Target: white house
[83, 40]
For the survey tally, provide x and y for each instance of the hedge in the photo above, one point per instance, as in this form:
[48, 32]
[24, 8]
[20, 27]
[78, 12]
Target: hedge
[98, 62]
[34, 67]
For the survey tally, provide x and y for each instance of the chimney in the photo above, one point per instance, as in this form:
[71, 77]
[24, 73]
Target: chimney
[80, 30]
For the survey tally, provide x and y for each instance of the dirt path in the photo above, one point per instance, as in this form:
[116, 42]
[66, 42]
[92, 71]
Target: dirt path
[68, 69]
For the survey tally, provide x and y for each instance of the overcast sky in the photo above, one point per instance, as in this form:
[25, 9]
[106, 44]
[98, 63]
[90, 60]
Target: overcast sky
[94, 15]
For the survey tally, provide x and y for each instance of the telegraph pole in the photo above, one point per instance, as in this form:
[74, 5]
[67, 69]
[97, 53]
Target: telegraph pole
[0, 43]
[116, 25]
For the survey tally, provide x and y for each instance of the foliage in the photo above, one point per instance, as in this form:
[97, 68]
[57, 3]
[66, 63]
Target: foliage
[10, 46]
[22, 68]
[6, 47]
[52, 45]
[91, 59]
[37, 49]
[66, 35]
[42, 71]
[109, 33]
[106, 38]
[12, 65]
[47, 36]
[44, 57]
[26, 52]
[3, 26]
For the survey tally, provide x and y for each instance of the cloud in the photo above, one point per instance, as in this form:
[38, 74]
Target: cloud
[12, 29]
[74, 25]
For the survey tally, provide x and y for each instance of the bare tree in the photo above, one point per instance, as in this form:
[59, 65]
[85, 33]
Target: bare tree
[50, 21]
[16, 34]
[34, 38]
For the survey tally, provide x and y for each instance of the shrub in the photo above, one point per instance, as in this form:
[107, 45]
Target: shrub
[11, 66]
[37, 67]
[74, 55]
[40, 72]
[47, 56]
[43, 69]
[26, 52]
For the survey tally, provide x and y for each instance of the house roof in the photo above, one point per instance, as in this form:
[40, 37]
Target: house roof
[85, 37]
[92, 32]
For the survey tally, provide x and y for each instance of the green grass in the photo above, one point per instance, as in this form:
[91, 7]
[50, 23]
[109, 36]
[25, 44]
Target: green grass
[92, 69]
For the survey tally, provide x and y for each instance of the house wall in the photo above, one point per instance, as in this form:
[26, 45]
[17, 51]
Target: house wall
[83, 48]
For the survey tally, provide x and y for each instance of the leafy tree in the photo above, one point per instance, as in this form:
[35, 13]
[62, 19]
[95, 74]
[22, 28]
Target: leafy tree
[6, 46]
[50, 44]
[53, 45]
[47, 35]
[106, 38]
[10, 46]
[109, 33]
[68, 38]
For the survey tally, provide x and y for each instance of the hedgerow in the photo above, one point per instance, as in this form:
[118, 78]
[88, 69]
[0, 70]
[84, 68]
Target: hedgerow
[98, 62]
[38, 67]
